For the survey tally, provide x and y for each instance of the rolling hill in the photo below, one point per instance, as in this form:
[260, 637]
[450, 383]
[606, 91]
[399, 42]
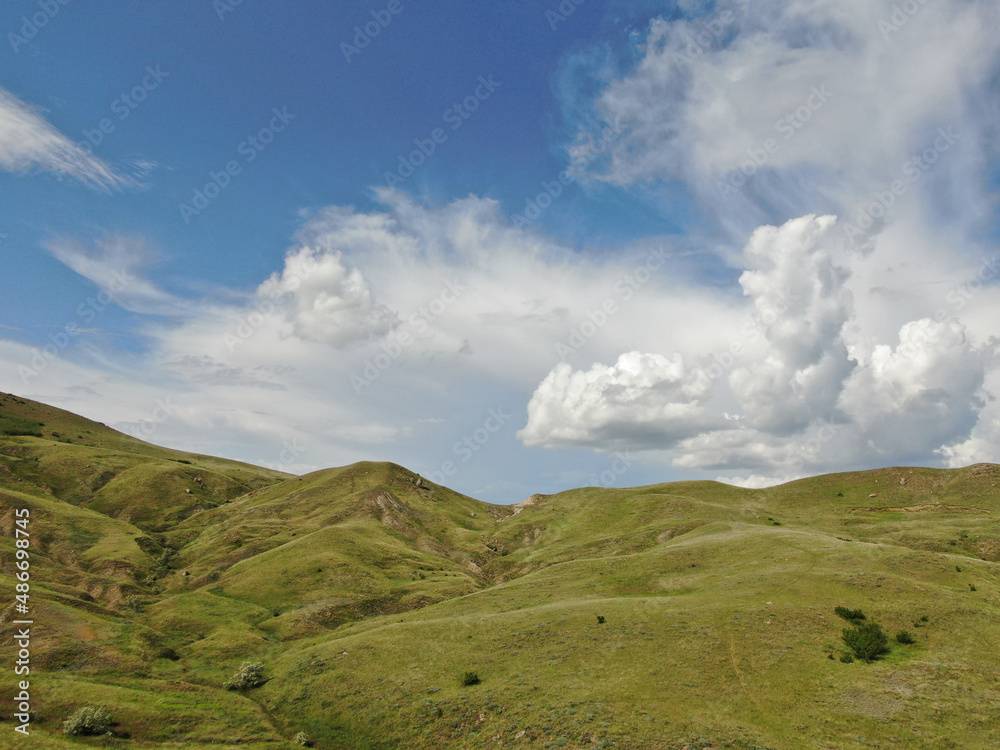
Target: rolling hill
[680, 615]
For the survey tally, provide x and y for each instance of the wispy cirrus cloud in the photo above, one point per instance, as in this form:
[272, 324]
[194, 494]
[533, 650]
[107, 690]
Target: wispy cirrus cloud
[29, 141]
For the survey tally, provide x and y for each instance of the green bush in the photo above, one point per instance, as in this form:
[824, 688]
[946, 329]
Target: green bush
[851, 615]
[600, 620]
[847, 659]
[12, 426]
[470, 678]
[868, 641]
[249, 675]
[87, 721]
[905, 638]
[168, 653]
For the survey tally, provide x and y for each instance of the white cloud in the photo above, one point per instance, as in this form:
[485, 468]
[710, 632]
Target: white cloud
[922, 394]
[820, 393]
[798, 295]
[117, 265]
[28, 140]
[642, 400]
[328, 302]
[845, 102]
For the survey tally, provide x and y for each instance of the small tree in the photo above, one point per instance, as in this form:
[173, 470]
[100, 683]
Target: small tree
[87, 721]
[867, 641]
[470, 678]
[249, 675]
[905, 638]
[851, 615]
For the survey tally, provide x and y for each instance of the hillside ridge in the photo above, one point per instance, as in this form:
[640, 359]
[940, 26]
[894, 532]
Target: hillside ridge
[596, 617]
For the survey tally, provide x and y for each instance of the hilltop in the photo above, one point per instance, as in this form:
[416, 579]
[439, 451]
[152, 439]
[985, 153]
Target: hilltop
[686, 614]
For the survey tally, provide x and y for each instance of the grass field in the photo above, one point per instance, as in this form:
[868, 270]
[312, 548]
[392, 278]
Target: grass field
[681, 615]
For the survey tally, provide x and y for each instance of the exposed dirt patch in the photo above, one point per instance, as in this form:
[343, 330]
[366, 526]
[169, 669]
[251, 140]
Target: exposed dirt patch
[989, 549]
[518, 507]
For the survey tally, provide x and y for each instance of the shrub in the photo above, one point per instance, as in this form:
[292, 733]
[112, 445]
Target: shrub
[867, 641]
[851, 615]
[958, 569]
[249, 675]
[600, 620]
[303, 739]
[972, 587]
[13, 426]
[87, 721]
[847, 659]
[470, 678]
[905, 638]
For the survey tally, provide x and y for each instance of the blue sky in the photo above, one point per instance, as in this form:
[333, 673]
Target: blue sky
[679, 188]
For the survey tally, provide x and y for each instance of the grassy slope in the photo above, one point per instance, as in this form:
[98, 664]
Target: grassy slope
[368, 592]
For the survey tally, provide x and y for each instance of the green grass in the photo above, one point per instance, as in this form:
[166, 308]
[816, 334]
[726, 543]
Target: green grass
[369, 593]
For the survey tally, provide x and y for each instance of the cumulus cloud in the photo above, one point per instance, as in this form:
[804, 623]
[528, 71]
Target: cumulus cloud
[28, 140]
[856, 165]
[398, 328]
[814, 395]
[777, 376]
[921, 394]
[642, 399]
[798, 295]
[328, 302]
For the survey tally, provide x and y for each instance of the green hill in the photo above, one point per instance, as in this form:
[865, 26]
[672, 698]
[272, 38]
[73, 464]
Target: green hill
[681, 615]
